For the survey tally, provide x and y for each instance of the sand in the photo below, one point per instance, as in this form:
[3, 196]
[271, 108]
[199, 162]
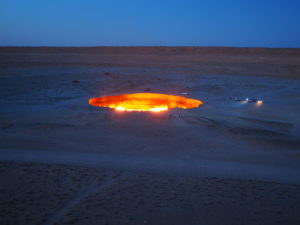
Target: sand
[57, 194]
[65, 162]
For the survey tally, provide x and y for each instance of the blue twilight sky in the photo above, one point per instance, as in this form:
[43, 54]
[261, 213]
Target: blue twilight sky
[250, 23]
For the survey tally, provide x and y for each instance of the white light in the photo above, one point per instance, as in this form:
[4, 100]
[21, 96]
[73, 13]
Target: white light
[120, 108]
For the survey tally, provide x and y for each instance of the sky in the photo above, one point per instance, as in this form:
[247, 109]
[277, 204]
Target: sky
[238, 23]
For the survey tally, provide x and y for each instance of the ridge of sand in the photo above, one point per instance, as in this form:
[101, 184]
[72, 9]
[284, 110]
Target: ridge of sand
[170, 165]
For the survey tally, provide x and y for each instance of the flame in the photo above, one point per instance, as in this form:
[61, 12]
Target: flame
[145, 102]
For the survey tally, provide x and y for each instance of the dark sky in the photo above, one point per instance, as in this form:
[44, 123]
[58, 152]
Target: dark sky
[250, 23]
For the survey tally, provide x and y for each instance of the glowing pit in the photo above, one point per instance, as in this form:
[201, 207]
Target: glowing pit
[145, 102]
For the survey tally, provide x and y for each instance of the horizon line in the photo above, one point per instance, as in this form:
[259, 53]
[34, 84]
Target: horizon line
[138, 46]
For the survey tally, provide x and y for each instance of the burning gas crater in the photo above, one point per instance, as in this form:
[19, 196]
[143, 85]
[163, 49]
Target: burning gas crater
[145, 102]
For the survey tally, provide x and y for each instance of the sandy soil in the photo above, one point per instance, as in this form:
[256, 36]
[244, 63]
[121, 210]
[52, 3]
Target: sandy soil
[46, 125]
[56, 194]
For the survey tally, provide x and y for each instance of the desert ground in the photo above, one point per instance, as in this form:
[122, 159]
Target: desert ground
[63, 161]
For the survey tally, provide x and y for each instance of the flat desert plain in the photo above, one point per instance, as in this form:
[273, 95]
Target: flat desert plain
[63, 161]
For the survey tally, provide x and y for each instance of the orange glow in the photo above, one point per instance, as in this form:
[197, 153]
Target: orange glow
[145, 102]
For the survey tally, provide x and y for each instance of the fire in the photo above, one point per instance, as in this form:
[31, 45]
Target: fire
[145, 102]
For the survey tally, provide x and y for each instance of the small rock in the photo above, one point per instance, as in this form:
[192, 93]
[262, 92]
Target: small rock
[75, 81]
[6, 124]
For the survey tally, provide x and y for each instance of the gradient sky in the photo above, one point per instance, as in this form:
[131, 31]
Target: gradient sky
[249, 23]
